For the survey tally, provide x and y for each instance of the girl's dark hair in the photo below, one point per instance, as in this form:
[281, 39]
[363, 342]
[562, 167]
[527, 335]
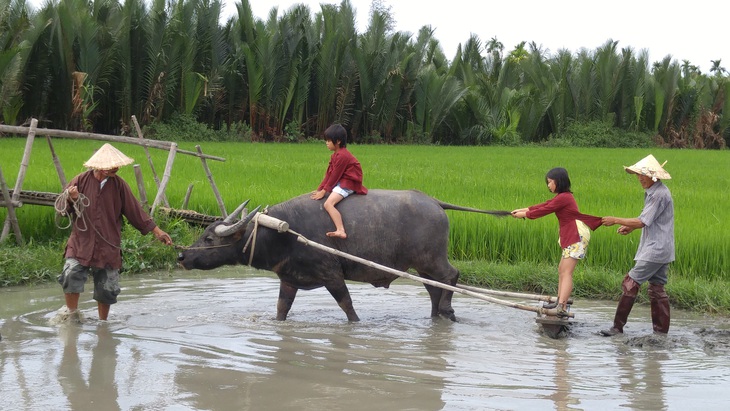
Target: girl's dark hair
[336, 133]
[560, 176]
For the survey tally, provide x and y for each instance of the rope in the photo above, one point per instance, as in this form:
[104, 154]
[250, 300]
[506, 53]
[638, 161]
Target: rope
[182, 247]
[79, 205]
[252, 240]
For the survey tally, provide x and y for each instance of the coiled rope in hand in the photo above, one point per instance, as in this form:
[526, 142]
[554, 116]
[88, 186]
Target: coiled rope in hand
[79, 205]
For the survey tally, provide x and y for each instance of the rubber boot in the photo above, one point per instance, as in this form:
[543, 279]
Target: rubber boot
[625, 304]
[659, 308]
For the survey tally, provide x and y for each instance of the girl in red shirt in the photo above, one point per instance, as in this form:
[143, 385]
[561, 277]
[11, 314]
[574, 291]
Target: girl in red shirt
[343, 177]
[574, 231]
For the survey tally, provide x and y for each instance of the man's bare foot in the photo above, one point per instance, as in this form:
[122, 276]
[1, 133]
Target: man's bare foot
[338, 234]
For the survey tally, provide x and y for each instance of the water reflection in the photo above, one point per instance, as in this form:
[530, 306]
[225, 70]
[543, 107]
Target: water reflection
[207, 388]
[641, 378]
[562, 396]
[199, 343]
[98, 388]
[334, 367]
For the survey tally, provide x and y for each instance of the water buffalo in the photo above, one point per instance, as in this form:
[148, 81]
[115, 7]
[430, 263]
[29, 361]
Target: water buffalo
[398, 229]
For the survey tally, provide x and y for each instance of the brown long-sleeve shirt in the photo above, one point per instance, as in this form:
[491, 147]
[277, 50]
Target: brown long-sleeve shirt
[99, 244]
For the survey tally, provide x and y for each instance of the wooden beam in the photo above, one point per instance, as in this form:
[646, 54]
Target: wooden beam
[162, 145]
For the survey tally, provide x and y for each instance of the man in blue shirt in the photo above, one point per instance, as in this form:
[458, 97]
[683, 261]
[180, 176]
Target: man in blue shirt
[656, 247]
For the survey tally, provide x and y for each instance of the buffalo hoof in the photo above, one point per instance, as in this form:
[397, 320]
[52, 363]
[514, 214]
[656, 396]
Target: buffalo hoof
[449, 315]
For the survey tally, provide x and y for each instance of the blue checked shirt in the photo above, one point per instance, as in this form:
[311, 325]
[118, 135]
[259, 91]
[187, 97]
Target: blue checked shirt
[657, 236]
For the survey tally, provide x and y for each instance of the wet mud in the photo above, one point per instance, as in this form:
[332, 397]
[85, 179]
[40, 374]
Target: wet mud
[210, 340]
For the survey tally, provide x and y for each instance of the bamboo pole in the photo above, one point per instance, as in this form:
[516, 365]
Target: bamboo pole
[165, 176]
[404, 274]
[16, 204]
[21, 173]
[537, 297]
[149, 159]
[140, 186]
[217, 194]
[11, 210]
[57, 163]
[162, 145]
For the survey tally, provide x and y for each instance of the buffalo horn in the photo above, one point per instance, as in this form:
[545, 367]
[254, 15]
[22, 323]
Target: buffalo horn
[226, 230]
[235, 213]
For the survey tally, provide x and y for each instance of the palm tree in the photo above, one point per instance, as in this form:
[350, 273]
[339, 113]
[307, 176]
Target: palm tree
[494, 48]
[383, 61]
[335, 72]
[716, 68]
[607, 70]
[14, 24]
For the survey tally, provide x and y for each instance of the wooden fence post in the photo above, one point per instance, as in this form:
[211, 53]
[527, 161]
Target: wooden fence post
[21, 173]
[57, 163]
[187, 197]
[149, 159]
[165, 176]
[11, 210]
[212, 183]
[140, 187]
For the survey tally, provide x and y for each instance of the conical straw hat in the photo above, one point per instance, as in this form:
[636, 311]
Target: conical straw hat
[649, 166]
[107, 158]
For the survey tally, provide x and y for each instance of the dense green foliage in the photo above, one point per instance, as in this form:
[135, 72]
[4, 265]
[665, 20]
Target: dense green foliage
[91, 65]
[484, 177]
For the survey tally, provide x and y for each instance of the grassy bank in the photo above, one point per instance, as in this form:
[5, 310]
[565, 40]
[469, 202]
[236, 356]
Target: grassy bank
[502, 253]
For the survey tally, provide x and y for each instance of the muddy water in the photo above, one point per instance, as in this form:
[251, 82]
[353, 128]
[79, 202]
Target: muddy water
[209, 341]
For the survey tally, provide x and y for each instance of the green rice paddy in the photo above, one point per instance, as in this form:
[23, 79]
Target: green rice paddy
[498, 178]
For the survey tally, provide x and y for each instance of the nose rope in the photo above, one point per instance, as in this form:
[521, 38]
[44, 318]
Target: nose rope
[252, 240]
[182, 247]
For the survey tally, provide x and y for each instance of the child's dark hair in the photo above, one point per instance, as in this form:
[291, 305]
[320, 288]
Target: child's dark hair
[336, 133]
[560, 176]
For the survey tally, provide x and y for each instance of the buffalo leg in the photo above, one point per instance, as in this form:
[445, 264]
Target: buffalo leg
[441, 302]
[342, 296]
[440, 298]
[287, 293]
[435, 294]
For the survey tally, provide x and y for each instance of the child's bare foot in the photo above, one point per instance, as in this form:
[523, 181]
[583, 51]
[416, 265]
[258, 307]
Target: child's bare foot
[338, 234]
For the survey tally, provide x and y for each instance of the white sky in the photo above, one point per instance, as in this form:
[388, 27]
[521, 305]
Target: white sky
[692, 30]
[687, 30]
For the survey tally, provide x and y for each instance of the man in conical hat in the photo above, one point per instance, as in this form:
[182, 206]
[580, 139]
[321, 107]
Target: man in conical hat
[96, 200]
[656, 247]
